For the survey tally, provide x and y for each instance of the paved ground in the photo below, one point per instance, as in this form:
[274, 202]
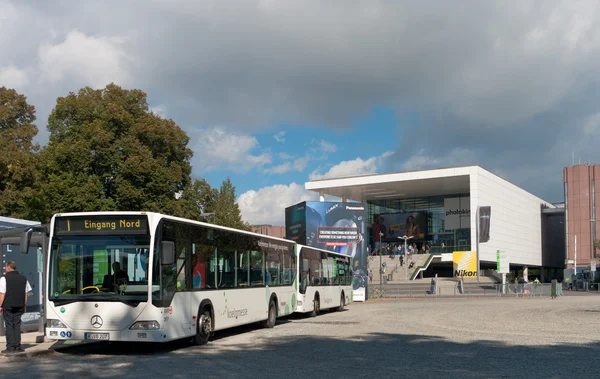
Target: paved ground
[436, 338]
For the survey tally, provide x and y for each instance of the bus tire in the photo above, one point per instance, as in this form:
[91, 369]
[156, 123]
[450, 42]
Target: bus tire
[316, 306]
[272, 317]
[204, 326]
[342, 302]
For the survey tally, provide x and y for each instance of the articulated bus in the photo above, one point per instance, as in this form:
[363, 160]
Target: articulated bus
[142, 276]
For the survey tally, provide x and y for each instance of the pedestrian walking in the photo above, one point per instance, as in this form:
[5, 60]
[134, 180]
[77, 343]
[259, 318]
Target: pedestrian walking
[13, 299]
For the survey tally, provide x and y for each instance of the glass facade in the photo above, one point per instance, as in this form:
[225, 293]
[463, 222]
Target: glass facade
[433, 236]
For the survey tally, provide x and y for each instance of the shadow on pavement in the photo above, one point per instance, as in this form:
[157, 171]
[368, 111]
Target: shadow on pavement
[370, 355]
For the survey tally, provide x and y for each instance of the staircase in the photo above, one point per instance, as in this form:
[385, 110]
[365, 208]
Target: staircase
[393, 267]
[421, 263]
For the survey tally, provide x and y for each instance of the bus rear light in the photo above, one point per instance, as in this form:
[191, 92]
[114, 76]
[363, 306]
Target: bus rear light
[145, 325]
[55, 324]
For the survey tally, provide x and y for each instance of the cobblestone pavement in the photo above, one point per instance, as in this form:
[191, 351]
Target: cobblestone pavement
[436, 338]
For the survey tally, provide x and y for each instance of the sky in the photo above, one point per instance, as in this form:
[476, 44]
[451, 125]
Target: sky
[276, 93]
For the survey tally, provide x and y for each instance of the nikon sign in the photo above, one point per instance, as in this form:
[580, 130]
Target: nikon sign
[464, 264]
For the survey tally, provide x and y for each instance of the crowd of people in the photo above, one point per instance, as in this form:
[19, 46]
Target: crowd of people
[398, 249]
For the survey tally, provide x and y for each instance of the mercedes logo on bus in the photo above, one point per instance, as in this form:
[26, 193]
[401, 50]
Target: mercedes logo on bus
[97, 321]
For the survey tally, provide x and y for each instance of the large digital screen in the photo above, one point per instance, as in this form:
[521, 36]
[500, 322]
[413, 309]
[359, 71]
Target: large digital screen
[394, 225]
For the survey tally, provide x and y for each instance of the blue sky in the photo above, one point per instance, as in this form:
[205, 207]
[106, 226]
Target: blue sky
[274, 93]
[297, 151]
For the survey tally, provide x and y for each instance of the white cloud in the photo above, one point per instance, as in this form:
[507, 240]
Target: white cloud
[267, 205]
[220, 148]
[279, 137]
[301, 163]
[159, 110]
[279, 169]
[423, 160]
[354, 167]
[13, 77]
[93, 61]
[327, 147]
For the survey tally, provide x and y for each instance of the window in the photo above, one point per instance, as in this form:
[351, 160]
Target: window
[243, 269]
[286, 269]
[257, 269]
[175, 278]
[274, 270]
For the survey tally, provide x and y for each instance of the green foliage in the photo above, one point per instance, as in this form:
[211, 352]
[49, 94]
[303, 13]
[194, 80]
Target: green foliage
[107, 151]
[197, 198]
[597, 244]
[225, 209]
[17, 153]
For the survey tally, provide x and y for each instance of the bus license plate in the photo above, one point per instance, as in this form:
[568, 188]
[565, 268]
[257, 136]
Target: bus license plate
[96, 336]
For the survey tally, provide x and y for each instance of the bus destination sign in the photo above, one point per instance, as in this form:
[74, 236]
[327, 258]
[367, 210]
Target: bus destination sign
[101, 225]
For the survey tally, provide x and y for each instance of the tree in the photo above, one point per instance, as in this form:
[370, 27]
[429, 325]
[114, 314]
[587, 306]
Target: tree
[196, 199]
[226, 210]
[597, 244]
[107, 151]
[17, 154]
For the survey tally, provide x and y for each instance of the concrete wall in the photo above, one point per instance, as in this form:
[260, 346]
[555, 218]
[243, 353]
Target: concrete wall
[516, 220]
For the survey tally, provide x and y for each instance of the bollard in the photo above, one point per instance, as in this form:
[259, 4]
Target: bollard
[2, 330]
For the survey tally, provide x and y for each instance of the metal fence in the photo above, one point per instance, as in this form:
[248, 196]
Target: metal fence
[465, 290]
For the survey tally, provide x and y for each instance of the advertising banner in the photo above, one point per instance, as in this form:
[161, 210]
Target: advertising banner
[394, 225]
[485, 214]
[502, 262]
[457, 213]
[464, 264]
[333, 226]
[295, 223]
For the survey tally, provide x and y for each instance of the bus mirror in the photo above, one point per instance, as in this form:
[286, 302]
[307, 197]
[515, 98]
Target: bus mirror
[25, 241]
[167, 253]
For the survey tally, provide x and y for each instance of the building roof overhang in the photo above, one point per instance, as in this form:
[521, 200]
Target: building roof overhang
[446, 181]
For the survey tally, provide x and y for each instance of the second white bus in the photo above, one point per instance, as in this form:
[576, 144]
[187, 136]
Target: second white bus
[325, 280]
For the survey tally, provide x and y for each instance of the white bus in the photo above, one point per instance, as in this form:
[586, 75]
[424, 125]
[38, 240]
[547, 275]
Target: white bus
[141, 276]
[325, 280]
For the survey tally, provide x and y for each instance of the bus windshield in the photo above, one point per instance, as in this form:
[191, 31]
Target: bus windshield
[99, 268]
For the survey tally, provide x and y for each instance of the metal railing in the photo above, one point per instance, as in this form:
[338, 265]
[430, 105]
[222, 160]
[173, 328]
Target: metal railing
[465, 290]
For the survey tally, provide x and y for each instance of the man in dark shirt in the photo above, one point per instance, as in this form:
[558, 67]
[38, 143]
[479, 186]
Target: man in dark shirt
[119, 277]
[13, 299]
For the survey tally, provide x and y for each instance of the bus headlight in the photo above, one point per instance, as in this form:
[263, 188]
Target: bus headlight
[145, 325]
[55, 323]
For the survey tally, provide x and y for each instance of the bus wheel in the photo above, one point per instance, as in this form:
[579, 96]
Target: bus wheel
[342, 303]
[204, 327]
[317, 306]
[272, 318]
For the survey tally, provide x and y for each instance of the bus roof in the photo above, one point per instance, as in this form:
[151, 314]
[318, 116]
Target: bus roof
[165, 216]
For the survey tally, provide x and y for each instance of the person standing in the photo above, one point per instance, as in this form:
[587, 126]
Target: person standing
[13, 301]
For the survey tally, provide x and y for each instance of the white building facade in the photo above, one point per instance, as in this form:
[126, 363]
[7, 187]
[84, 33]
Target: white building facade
[447, 200]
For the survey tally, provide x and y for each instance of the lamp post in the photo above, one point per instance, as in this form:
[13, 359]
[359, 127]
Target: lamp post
[380, 262]
[405, 238]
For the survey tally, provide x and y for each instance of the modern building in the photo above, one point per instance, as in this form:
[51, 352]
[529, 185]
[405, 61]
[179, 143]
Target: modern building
[581, 197]
[269, 230]
[444, 204]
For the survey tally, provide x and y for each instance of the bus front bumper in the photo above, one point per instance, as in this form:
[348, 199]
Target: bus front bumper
[62, 334]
